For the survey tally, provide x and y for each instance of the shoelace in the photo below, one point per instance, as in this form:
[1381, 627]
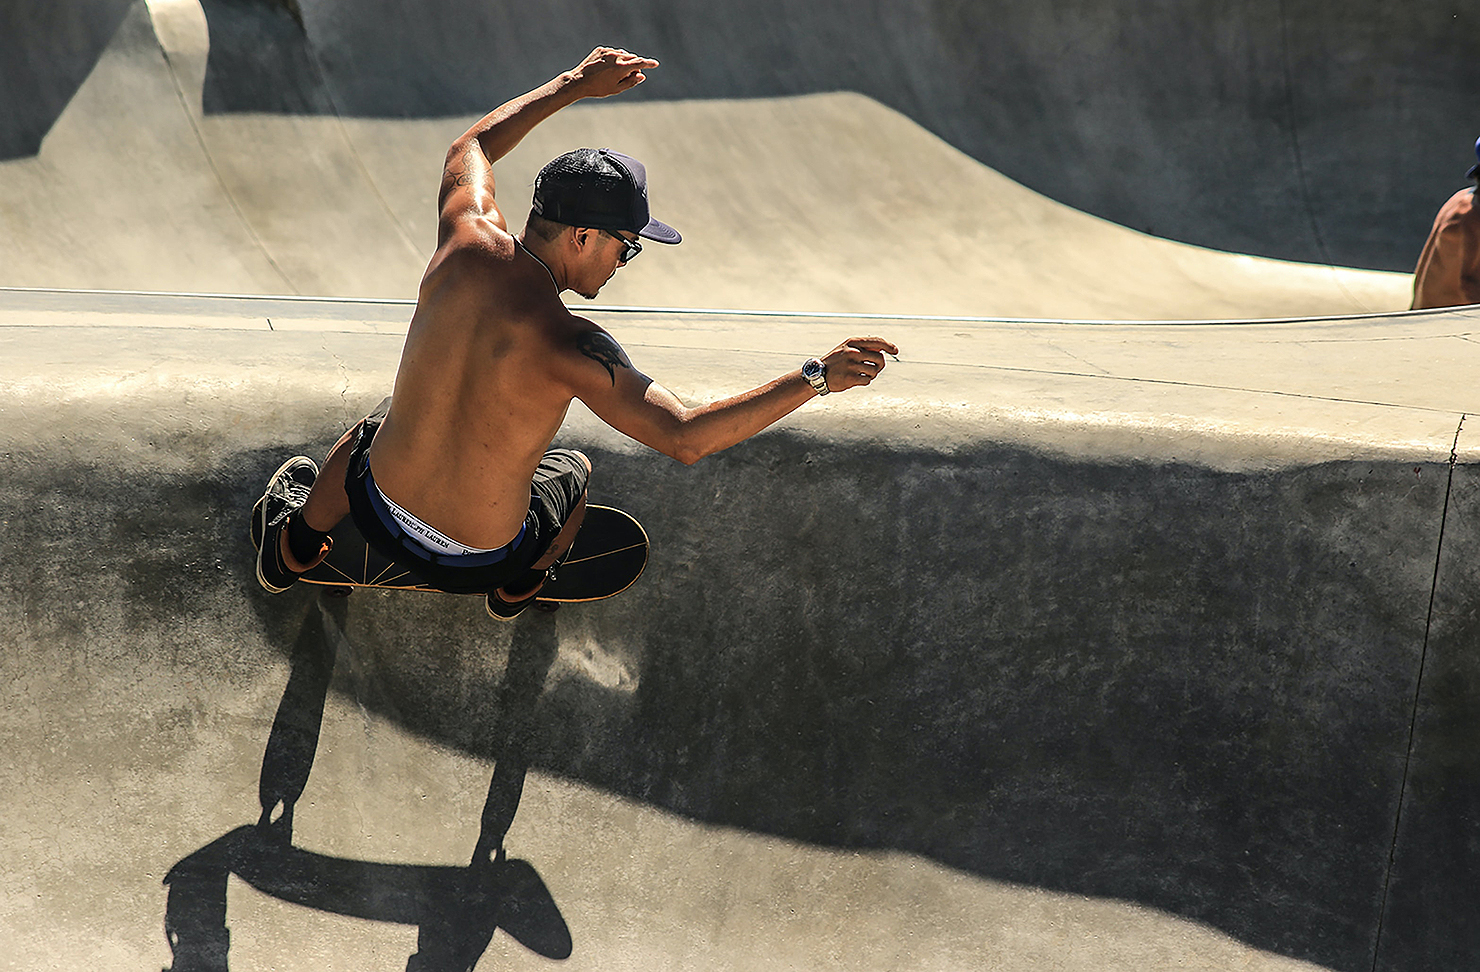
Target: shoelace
[293, 495]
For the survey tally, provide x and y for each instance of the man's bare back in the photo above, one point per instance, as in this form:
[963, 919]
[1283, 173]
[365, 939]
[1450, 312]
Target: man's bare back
[475, 403]
[493, 357]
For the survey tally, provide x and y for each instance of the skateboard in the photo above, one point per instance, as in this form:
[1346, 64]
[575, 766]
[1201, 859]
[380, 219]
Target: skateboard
[608, 555]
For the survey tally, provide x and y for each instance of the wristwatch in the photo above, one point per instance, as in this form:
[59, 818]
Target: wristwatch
[816, 374]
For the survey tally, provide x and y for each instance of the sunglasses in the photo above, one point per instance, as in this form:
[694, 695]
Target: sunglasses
[630, 248]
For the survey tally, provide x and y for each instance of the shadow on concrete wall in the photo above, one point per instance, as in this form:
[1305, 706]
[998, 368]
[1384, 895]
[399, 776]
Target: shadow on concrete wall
[456, 909]
[1179, 687]
[260, 60]
[47, 49]
[1157, 683]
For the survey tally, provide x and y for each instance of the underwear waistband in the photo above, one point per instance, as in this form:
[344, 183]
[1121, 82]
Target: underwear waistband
[408, 529]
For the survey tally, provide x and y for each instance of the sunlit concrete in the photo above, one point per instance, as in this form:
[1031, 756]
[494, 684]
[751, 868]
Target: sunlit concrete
[1143, 642]
[134, 429]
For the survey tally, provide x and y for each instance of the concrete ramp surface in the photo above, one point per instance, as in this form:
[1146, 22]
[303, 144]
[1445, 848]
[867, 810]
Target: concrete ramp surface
[1069, 646]
[1044, 661]
[828, 161]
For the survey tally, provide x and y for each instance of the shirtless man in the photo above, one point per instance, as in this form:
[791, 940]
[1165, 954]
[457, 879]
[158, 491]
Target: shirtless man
[1448, 271]
[451, 477]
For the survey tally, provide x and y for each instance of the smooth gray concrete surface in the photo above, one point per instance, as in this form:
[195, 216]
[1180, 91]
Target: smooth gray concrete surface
[157, 177]
[1327, 133]
[995, 665]
[1321, 132]
[1094, 646]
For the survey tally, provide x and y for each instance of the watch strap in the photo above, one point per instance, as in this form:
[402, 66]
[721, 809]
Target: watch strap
[816, 374]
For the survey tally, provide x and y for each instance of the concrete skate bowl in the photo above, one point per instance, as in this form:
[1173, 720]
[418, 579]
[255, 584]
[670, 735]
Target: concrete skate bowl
[939, 158]
[1186, 653]
[990, 666]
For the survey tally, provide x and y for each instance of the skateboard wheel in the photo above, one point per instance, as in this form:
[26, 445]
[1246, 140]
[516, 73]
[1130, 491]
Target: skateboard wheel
[549, 607]
[338, 591]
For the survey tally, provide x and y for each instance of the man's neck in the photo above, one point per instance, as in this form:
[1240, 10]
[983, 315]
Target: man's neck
[545, 253]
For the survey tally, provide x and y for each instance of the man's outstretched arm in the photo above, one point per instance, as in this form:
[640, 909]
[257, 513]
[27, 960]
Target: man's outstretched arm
[634, 404]
[467, 177]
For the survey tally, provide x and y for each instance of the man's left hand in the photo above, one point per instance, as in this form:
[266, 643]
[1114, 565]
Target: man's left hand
[857, 361]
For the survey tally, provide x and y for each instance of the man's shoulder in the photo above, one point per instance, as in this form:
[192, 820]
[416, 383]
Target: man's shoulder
[495, 269]
[1460, 204]
[478, 240]
[1460, 215]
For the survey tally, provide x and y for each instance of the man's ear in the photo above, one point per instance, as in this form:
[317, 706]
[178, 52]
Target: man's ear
[581, 235]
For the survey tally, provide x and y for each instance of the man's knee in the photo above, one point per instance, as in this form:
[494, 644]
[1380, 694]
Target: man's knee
[580, 468]
[583, 479]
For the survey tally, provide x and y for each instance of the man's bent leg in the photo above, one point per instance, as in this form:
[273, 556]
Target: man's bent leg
[567, 536]
[539, 571]
[328, 503]
[559, 498]
[293, 528]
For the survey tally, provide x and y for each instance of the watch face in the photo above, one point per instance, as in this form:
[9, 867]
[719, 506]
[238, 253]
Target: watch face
[812, 368]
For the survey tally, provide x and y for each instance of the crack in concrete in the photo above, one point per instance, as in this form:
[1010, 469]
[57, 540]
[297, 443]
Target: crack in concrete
[343, 373]
[1050, 343]
[1417, 695]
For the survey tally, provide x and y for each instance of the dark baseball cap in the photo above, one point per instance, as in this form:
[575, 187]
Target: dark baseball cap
[599, 189]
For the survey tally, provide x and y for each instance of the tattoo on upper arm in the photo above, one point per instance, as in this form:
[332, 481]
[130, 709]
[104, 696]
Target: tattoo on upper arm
[460, 173]
[603, 350]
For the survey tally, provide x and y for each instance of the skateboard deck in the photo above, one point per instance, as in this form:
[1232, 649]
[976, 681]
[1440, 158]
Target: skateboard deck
[608, 555]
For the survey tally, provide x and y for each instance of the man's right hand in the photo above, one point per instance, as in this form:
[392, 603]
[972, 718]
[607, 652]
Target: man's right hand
[857, 361]
[610, 70]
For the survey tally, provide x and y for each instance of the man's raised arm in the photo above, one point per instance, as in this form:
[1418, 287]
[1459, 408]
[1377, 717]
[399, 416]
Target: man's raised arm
[467, 177]
[634, 404]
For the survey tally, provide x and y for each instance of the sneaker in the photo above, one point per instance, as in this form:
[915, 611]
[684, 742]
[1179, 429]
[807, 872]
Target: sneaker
[506, 610]
[286, 493]
[292, 492]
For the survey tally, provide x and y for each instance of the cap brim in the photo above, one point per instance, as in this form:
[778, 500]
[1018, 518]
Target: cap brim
[660, 231]
[1473, 169]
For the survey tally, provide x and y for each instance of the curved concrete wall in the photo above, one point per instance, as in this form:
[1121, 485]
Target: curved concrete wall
[1320, 133]
[1169, 664]
[1300, 131]
[204, 154]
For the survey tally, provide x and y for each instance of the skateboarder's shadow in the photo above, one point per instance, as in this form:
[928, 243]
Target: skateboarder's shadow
[457, 909]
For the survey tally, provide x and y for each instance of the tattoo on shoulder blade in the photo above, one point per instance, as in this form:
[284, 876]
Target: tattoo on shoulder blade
[603, 350]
